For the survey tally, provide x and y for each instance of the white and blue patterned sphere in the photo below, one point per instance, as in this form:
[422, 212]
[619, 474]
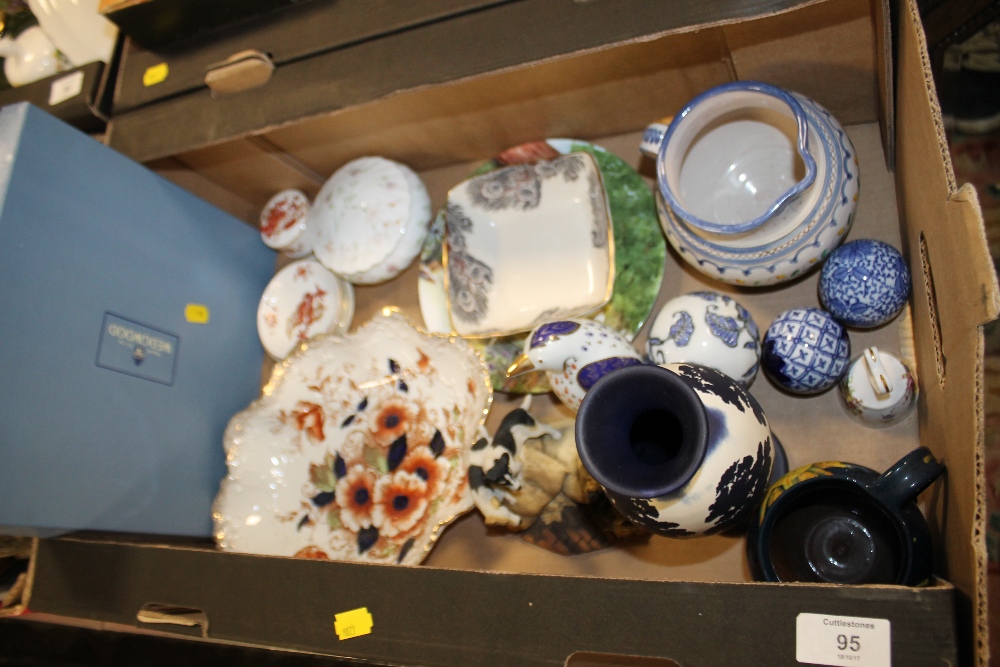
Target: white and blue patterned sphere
[706, 328]
[864, 283]
[805, 351]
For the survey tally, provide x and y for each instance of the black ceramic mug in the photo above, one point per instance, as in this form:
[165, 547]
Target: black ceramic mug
[843, 523]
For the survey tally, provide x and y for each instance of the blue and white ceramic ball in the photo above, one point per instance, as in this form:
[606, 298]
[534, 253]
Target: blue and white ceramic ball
[864, 283]
[706, 328]
[805, 351]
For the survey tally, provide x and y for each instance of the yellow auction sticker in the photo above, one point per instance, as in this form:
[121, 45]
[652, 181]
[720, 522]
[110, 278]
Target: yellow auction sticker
[353, 623]
[155, 74]
[196, 313]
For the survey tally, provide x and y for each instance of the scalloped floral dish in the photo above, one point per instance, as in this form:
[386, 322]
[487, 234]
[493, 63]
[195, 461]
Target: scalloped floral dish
[639, 258]
[358, 449]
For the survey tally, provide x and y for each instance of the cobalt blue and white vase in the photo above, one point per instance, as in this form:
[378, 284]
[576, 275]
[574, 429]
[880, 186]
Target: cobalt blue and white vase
[706, 328]
[805, 351]
[574, 354]
[756, 184]
[864, 283]
[681, 450]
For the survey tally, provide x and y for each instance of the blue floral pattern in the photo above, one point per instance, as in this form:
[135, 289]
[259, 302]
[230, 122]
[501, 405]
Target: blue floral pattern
[864, 283]
[707, 328]
[682, 329]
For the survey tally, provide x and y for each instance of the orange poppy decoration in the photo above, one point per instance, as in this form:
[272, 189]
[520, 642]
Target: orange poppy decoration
[393, 420]
[422, 463]
[401, 500]
[355, 496]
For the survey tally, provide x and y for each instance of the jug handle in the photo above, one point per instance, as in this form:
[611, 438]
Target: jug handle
[907, 478]
[652, 137]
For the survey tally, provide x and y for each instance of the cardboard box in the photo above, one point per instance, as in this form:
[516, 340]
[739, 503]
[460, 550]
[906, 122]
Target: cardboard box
[78, 97]
[129, 337]
[156, 65]
[491, 599]
[497, 36]
[159, 22]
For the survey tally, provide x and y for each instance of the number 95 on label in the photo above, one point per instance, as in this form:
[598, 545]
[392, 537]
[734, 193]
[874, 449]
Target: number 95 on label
[842, 640]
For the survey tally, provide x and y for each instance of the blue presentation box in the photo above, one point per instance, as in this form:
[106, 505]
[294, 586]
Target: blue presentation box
[127, 337]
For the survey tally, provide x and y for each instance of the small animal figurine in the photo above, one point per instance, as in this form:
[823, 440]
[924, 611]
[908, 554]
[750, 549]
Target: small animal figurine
[574, 355]
[529, 479]
[497, 467]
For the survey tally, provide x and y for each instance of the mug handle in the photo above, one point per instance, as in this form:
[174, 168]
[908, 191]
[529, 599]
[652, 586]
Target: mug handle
[652, 137]
[907, 478]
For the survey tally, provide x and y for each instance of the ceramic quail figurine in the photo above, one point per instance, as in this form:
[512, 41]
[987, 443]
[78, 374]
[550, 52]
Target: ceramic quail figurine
[574, 355]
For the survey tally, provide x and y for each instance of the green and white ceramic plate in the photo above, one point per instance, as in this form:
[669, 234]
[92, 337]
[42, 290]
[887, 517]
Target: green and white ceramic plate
[640, 253]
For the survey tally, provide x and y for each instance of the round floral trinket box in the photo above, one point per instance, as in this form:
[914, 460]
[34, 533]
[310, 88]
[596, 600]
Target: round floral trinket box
[301, 301]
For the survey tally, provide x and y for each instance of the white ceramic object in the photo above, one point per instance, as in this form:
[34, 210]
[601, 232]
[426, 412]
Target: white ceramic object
[30, 57]
[878, 389]
[706, 328]
[358, 448]
[284, 224]
[574, 354]
[77, 29]
[756, 185]
[527, 244]
[370, 220]
[303, 300]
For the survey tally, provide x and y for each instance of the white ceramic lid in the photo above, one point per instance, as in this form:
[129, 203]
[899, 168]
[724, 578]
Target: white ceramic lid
[412, 238]
[302, 300]
[362, 214]
[283, 219]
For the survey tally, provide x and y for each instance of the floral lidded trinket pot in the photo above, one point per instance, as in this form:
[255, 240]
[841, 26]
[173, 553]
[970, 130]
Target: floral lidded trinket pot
[878, 389]
[358, 448]
[301, 301]
[864, 283]
[371, 218]
[706, 328]
[284, 224]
